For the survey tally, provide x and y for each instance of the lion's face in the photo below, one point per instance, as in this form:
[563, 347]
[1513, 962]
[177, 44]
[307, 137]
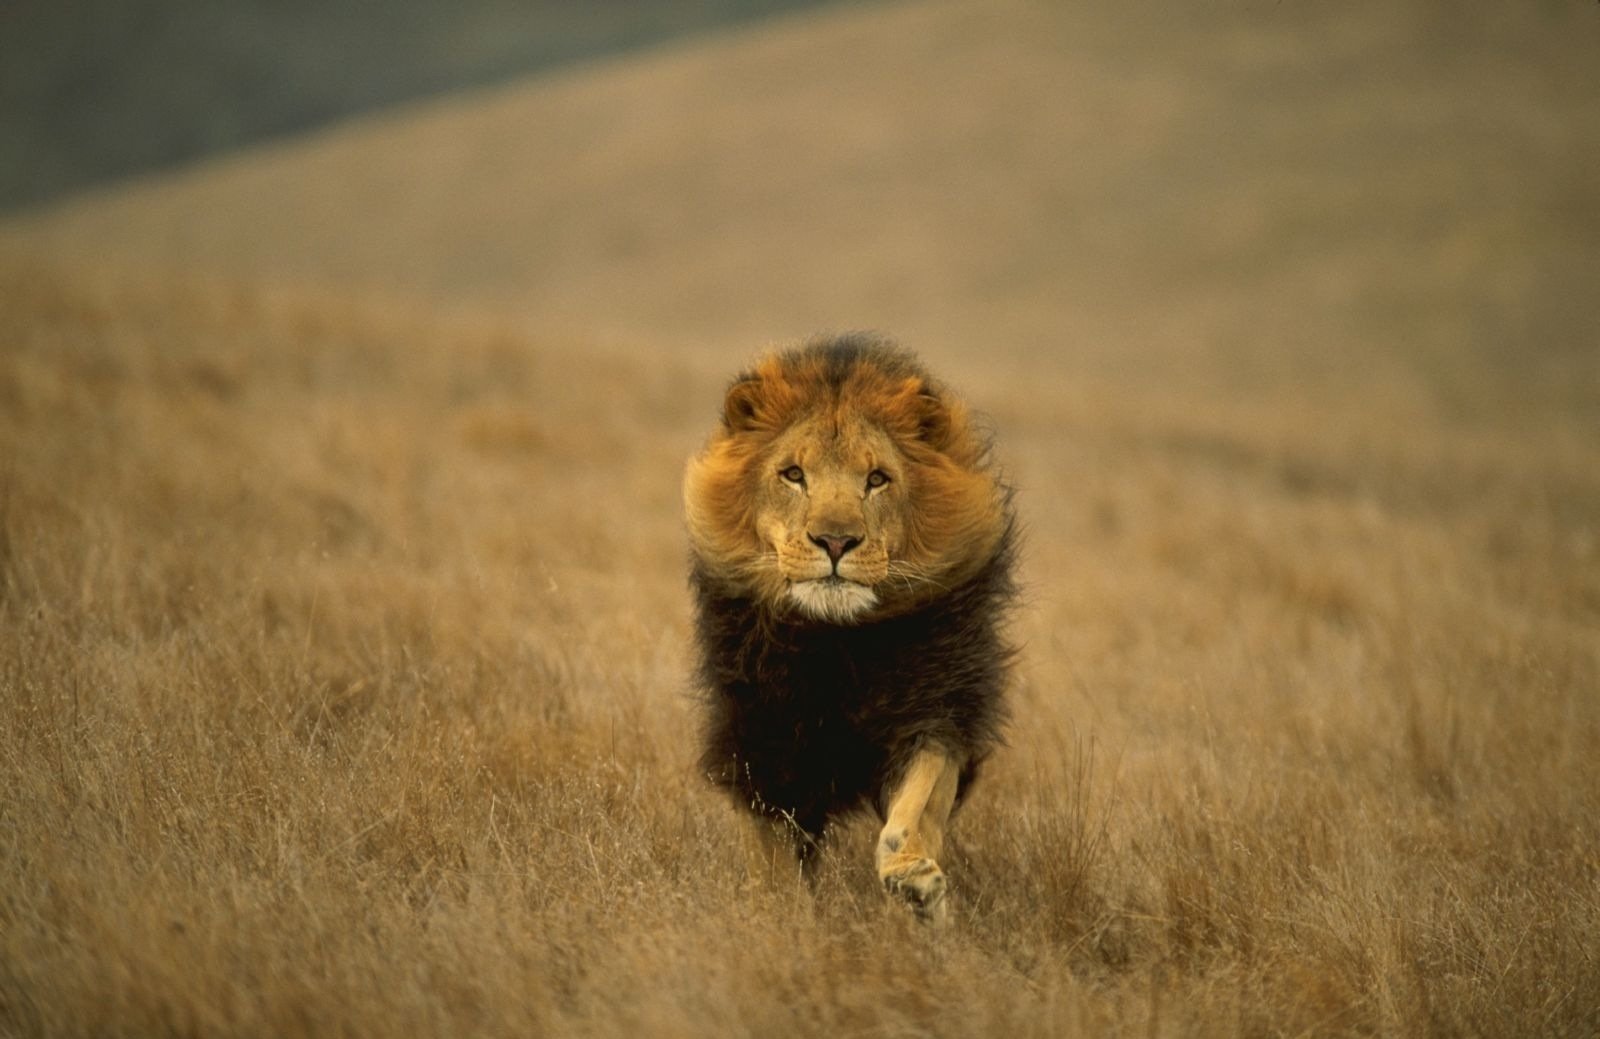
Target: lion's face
[833, 513]
[842, 486]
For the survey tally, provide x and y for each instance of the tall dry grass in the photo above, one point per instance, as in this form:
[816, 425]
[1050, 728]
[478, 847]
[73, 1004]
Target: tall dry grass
[343, 677]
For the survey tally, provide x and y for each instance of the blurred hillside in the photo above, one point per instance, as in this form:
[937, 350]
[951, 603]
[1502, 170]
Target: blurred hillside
[104, 89]
[1396, 200]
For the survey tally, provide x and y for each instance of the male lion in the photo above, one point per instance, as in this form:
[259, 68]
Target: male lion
[852, 551]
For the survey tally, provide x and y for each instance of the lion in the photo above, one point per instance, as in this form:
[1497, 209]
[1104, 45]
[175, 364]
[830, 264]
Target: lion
[852, 549]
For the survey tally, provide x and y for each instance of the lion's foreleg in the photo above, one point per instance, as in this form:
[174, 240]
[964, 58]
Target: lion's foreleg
[913, 835]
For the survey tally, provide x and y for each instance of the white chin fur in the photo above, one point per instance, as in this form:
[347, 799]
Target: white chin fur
[830, 599]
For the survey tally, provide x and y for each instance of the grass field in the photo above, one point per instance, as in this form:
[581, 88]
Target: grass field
[344, 656]
[344, 662]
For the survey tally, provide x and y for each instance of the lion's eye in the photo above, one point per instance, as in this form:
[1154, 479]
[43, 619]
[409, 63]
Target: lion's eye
[877, 478]
[794, 474]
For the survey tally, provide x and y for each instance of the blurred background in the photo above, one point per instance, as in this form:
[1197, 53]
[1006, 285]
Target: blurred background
[1244, 196]
[105, 89]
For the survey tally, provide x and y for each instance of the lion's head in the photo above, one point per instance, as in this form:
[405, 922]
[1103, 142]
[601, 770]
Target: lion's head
[843, 484]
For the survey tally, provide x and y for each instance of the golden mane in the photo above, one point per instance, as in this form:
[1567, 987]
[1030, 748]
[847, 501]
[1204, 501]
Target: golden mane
[953, 507]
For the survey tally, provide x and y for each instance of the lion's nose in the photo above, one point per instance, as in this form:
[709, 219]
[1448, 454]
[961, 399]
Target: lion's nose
[836, 545]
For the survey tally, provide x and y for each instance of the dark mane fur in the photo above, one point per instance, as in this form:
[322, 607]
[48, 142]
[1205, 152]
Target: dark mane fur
[809, 721]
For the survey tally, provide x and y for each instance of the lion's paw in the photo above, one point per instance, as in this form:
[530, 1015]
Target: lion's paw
[920, 884]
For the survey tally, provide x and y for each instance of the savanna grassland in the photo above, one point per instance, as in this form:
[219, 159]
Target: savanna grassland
[345, 657]
[344, 630]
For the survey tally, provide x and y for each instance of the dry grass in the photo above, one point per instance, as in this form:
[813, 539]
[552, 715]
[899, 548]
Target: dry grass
[343, 644]
[343, 680]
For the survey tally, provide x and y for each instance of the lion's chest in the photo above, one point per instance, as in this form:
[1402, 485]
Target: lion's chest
[813, 720]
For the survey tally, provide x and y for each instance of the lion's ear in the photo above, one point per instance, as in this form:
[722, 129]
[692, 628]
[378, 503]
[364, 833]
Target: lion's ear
[934, 418]
[931, 414]
[741, 409]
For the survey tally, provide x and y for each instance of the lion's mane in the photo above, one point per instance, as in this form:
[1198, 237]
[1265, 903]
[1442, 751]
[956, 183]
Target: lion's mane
[807, 719]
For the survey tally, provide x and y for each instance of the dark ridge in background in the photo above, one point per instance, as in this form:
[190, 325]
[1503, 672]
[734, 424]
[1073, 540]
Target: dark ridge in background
[96, 90]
